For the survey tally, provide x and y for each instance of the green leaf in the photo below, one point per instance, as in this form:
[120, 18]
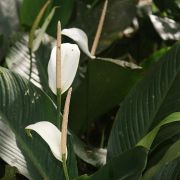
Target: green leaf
[150, 101]
[18, 60]
[104, 87]
[167, 132]
[148, 62]
[149, 138]
[21, 104]
[36, 24]
[63, 13]
[9, 150]
[127, 165]
[172, 153]
[170, 171]
[41, 33]
[29, 10]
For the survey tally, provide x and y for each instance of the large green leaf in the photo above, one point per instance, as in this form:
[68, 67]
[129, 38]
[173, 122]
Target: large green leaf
[128, 165]
[171, 154]
[155, 97]
[9, 151]
[21, 104]
[104, 87]
[19, 61]
[170, 171]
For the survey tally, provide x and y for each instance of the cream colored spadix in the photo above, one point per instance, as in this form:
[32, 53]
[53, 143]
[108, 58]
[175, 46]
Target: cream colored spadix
[70, 55]
[51, 135]
[80, 38]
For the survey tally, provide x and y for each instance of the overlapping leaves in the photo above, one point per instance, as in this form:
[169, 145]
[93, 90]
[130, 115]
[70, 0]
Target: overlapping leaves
[21, 104]
[149, 102]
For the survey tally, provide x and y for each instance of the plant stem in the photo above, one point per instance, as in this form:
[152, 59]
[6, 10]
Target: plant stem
[64, 132]
[99, 28]
[65, 166]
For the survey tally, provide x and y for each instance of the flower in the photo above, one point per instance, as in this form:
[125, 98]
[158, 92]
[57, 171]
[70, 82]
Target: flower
[51, 135]
[70, 55]
[80, 38]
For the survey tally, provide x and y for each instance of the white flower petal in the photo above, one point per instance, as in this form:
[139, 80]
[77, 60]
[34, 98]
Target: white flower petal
[51, 135]
[70, 55]
[80, 38]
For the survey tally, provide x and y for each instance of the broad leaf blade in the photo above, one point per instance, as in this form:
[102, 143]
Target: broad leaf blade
[155, 97]
[21, 103]
[9, 150]
[104, 87]
[19, 61]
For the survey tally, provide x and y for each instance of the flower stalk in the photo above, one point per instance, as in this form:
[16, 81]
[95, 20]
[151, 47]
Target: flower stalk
[99, 28]
[58, 73]
[64, 132]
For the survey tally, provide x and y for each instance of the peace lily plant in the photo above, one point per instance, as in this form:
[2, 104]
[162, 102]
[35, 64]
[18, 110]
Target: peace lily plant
[62, 68]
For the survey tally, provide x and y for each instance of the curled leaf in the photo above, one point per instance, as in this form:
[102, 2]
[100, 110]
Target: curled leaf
[80, 38]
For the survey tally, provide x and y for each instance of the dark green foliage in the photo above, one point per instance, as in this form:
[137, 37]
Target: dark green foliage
[119, 112]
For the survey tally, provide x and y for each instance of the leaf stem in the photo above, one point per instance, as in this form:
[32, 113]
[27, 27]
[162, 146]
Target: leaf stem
[32, 33]
[36, 23]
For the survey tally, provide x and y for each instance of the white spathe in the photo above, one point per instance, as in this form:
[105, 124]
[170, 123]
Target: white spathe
[70, 55]
[51, 135]
[80, 38]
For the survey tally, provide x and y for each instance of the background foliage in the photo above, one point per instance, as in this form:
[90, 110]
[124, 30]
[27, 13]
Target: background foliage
[124, 114]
